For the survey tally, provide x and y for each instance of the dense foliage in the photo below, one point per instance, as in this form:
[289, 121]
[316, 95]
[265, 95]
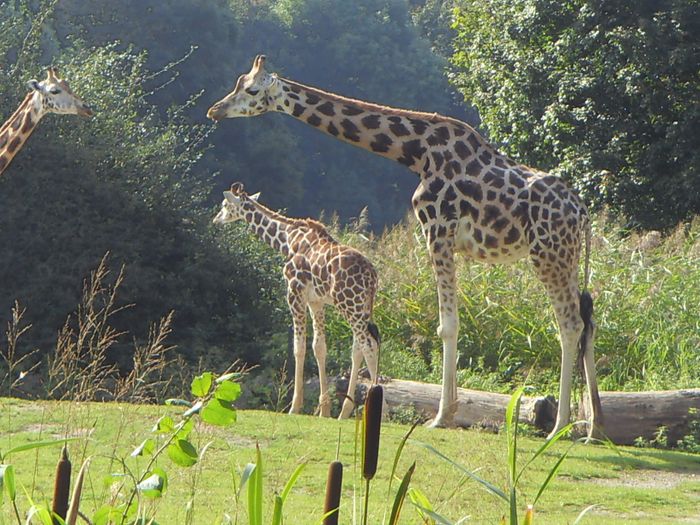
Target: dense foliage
[605, 93]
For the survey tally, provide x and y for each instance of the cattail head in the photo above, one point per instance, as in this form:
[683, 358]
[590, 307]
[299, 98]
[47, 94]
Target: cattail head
[61, 486]
[373, 423]
[334, 487]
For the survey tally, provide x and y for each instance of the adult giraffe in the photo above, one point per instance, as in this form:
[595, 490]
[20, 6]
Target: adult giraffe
[52, 95]
[470, 199]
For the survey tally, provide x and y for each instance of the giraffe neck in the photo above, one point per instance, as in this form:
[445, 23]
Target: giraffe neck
[407, 137]
[271, 227]
[17, 129]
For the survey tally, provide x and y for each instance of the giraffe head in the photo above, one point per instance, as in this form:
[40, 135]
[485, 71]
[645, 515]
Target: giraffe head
[253, 94]
[232, 207]
[55, 96]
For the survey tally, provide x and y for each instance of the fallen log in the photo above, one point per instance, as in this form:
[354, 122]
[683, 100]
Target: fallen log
[627, 415]
[475, 408]
[630, 415]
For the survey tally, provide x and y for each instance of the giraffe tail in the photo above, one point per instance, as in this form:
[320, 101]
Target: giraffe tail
[374, 332]
[586, 302]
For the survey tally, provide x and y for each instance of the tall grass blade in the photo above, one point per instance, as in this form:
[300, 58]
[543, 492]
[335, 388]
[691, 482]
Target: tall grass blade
[583, 513]
[552, 473]
[545, 446]
[292, 481]
[490, 487]
[255, 491]
[277, 511]
[401, 495]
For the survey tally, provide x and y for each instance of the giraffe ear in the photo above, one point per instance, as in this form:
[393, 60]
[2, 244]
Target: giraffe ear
[34, 84]
[255, 196]
[237, 187]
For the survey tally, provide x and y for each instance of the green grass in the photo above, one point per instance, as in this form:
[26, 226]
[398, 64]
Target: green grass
[634, 486]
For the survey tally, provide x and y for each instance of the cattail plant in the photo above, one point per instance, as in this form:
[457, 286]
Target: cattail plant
[61, 487]
[372, 418]
[334, 485]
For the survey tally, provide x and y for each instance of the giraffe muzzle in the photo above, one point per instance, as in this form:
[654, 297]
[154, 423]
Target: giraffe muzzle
[215, 113]
[86, 111]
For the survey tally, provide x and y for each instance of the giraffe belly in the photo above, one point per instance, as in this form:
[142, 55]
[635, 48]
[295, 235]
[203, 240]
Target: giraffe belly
[484, 244]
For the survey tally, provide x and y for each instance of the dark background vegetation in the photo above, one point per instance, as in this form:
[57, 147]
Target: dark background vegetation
[603, 93]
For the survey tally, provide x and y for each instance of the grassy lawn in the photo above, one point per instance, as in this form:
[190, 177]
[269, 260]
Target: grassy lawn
[630, 486]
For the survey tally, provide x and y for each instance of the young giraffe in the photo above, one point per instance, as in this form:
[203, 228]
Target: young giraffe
[319, 271]
[52, 95]
[470, 199]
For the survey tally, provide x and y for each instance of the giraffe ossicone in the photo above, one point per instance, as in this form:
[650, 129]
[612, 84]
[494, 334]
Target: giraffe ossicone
[470, 199]
[319, 271]
[52, 95]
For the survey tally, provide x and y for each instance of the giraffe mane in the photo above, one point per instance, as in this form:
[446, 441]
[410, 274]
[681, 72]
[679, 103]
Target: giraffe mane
[371, 106]
[19, 110]
[292, 221]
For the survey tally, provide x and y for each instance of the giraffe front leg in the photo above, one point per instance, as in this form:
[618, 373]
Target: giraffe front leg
[444, 266]
[319, 346]
[298, 311]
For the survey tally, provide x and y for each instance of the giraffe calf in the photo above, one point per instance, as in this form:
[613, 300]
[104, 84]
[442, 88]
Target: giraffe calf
[319, 271]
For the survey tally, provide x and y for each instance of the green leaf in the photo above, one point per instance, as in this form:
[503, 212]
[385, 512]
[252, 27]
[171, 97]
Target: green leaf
[201, 384]
[182, 452]
[155, 484]
[255, 491]
[42, 513]
[164, 425]
[227, 391]
[245, 476]
[183, 428]
[37, 444]
[218, 412]
[401, 495]
[7, 480]
[177, 402]
[106, 514]
[227, 377]
[146, 447]
[292, 481]
[277, 511]
[437, 518]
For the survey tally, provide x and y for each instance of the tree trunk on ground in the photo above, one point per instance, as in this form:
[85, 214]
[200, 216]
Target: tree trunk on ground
[627, 415]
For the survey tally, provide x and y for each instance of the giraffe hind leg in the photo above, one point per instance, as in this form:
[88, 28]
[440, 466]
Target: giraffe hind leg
[587, 360]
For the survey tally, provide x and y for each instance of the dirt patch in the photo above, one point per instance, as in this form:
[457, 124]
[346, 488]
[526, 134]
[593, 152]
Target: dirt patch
[647, 479]
[55, 431]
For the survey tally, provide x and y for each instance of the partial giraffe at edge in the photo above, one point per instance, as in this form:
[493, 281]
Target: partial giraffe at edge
[319, 271]
[52, 95]
[470, 199]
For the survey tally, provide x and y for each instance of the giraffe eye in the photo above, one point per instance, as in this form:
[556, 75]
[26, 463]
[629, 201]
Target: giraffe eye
[54, 91]
[253, 91]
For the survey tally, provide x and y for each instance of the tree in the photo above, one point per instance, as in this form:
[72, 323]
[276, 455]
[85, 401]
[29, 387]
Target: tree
[606, 93]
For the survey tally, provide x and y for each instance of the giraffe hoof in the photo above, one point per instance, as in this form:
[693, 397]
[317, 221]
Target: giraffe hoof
[438, 422]
[596, 433]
